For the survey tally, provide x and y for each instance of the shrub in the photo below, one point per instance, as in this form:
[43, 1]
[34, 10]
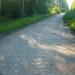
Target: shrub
[69, 18]
[9, 26]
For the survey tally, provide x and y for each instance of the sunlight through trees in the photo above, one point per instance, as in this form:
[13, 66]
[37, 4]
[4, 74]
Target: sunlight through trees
[69, 3]
[23, 8]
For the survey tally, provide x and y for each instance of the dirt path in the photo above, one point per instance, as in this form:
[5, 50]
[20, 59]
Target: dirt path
[44, 48]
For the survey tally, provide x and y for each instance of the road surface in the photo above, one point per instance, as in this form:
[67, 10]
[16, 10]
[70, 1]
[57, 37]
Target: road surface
[44, 48]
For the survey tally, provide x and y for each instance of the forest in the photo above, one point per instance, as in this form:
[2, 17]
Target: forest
[19, 13]
[37, 37]
[69, 17]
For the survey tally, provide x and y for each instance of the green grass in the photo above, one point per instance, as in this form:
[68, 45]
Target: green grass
[69, 19]
[19, 23]
[3, 19]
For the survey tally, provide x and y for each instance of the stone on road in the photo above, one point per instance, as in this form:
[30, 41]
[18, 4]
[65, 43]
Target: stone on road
[44, 48]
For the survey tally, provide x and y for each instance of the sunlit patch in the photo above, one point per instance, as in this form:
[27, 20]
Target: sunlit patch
[65, 49]
[58, 59]
[62, 48]
[22, 36]
[65, 27]
[40, 63]
[63, 34]
[34, 43]
[67, 68]
[69, 3]
[2, 57]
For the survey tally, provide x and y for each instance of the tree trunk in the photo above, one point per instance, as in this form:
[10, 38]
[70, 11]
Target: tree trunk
[0, 7]
[22, 8]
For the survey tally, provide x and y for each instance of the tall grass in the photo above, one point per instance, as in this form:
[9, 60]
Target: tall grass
[19, 23]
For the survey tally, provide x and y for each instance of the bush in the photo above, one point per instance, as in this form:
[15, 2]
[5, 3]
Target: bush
[9, 26]
[69, 18]
[54, 10]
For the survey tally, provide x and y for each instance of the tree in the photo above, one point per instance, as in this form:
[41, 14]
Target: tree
[73, 5]
[21, 8]
[0, 7]
[58, 6]
[10, 8]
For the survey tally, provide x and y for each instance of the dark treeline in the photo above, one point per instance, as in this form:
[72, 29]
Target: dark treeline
[21, 8]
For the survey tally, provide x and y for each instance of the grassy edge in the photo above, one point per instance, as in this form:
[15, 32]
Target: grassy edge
[69, 19]
[20, 23]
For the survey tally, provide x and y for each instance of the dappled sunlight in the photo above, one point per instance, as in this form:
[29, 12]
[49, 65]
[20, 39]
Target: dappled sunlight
[41, 66]
[30, 41]
[62, 26]
[55, 69]
[58, 59]
[66, 49]
[66, 68]
[34, 43]
[63, 34]
[39, 62]
[62, 48]
[69, 3]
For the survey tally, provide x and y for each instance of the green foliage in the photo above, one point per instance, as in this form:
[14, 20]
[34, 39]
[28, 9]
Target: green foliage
[58, 6]
[73, 5]
[9, 26]
[54, 10]
[10, 8]
[3, 19]
[63, 5]
[69, 18]
[40, 7]
[21, 8]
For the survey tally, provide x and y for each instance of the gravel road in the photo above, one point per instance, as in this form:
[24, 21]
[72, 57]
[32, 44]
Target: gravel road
[44, 48]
